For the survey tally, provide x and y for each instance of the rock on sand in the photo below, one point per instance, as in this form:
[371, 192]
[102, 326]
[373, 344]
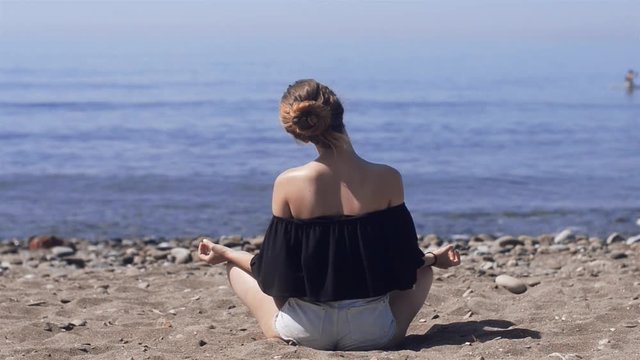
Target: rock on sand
[512, 284]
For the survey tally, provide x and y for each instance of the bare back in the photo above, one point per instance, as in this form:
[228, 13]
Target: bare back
[338, 185]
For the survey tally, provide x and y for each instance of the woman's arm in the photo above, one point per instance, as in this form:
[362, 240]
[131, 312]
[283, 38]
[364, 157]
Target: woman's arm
[279, 201]
[216, 254]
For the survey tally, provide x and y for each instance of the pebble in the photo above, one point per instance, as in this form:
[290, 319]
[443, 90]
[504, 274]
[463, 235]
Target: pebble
[563, 237]
[614, 237]
[512, 284]
[483, 250]
[467, 293]
[44, 242]
[556, 248]
[565, 356]
[633, 240]
[143, 285]
[508, 241]
[616, 255]
[602, 343]
[202, 342]
[165, 245]
[231, 240]
[37, 303]
[60, 251]
[181, 255]
[257, 241]
[78, 322]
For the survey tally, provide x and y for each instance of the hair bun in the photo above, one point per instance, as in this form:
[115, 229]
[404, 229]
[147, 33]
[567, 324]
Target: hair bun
[310, 118]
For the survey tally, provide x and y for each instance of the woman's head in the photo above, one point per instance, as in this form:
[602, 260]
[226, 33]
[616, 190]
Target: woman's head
[312, 112]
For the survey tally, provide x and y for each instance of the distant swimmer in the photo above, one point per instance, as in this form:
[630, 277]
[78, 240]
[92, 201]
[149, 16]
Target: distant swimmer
[628, 80]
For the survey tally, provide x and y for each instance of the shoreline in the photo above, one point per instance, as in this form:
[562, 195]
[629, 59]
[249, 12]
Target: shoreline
[145, 299]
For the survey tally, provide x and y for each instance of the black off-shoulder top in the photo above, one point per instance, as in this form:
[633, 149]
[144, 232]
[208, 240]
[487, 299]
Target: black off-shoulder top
[339, 257]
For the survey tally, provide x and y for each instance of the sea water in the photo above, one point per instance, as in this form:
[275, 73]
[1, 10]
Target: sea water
[101, 143]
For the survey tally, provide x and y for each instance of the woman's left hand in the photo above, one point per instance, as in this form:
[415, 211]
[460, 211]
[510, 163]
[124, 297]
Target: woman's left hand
[446, 257]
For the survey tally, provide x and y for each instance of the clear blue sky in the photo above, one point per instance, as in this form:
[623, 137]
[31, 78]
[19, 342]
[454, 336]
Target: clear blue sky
[289, 21]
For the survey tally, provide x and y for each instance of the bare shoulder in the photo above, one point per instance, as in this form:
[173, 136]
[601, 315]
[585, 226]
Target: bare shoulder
[390, 180]
[386, 173]
[297, 174]
[287, 187]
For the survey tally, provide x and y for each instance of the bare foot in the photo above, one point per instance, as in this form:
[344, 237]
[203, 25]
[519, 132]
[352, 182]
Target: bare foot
[212, 253]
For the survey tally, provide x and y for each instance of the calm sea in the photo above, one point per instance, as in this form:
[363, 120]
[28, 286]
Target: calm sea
[103, 143]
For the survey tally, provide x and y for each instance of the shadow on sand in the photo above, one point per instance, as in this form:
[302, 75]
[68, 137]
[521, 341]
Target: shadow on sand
[458, 333]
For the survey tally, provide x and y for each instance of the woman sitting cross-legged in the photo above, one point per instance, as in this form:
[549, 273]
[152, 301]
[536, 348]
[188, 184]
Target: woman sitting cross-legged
[340, 267]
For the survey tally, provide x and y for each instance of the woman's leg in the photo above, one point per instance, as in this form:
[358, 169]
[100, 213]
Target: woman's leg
[406, 304]
[262, 306]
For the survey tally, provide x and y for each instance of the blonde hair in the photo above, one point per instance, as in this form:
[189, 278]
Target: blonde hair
[312, 112]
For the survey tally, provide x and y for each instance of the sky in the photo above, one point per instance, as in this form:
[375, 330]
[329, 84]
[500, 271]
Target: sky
[304, 22]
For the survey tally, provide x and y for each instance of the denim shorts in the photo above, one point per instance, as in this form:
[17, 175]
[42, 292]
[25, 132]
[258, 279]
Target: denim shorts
[360, 324]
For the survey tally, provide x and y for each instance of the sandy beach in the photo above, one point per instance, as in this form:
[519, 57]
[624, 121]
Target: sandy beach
[143, 299]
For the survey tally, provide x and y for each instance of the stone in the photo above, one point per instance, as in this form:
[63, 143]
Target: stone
[508, 241]
[556, 248]
[44, 242]
[78, 322]
[143, 285]
[231, 241]
[565, 356]
[512, 284]
[8, 249]
[545, 239]
[429, 240]
[157, 254]
[61, 251]
[181, 255]
[202, 342]
[131, 252]
[164, 246]
[462, 238]
[483, 250]
[614, 237]
[633, 240]
[37, 303]
[257, 241]
[563, 237]
[616, 255]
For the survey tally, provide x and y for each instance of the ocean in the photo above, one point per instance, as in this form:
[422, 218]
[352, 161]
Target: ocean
[102, 143]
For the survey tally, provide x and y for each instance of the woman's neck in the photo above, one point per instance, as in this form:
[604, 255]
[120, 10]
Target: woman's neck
[342, 154]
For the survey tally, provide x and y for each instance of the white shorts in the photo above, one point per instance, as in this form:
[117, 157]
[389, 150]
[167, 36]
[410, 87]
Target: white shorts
[361, 324]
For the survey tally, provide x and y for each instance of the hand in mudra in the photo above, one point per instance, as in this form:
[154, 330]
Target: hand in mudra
[446, 257]
[212, 253]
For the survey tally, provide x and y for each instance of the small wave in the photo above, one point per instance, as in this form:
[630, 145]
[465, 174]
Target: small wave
[93, 106]
[481, 105]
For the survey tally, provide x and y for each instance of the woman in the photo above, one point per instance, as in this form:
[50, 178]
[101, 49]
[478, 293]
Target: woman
[340, 268]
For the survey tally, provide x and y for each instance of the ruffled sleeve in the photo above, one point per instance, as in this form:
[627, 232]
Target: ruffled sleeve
[339, 258]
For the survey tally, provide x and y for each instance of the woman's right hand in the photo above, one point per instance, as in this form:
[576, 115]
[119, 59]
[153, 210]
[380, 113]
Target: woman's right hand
[446, 257]
[211, 253]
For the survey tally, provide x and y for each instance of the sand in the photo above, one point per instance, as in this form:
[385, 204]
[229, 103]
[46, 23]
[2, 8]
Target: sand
[580, 303]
